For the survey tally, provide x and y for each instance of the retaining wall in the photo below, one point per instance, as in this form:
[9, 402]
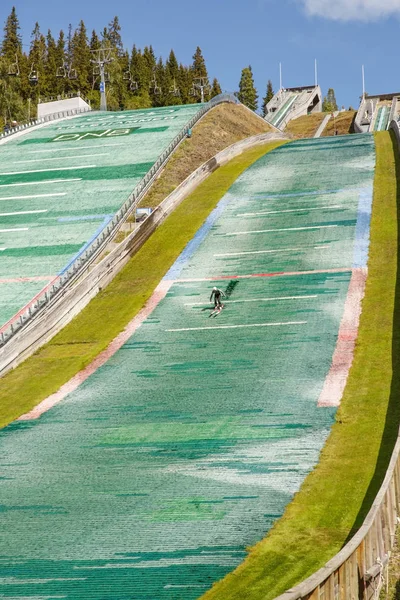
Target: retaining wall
[74, 297]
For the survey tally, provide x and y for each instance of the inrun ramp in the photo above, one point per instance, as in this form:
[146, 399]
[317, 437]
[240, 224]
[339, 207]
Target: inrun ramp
[151, 480]
[62, 183]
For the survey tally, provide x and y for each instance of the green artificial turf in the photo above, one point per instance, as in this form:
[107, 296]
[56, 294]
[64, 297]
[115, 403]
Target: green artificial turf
[112, 309]
[336, 497]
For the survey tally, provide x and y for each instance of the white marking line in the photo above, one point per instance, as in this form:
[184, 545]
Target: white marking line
[59, 149]
[34, 196]
[278, 212]
[255, 300]
[48, 170]
[2, 249]
[19, 229]
[23, 212]
[237, 326]
[284, 229]
[50, 181]
[20, 162]
[251, 252]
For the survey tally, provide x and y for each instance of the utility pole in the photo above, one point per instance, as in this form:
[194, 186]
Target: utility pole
[363, 81]
[280, 77]
[101, 57]
[316, 73]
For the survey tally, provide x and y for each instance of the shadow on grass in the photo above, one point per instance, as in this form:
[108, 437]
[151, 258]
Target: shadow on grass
[391, 429]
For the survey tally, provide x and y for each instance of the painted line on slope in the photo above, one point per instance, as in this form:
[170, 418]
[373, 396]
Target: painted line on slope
[274, 230]
[47, 182]
[236, 326]
[2, 249]
[20, 162]
[251, 252]
[342, 360]
[299, 194]
[277, 274]
[58, 149]
[23, 212]
[49, 170]
[255, 300]
[159, 294]
[290, 210]
[176, 269]
[15, 229]
[362, 233]
[34, 196]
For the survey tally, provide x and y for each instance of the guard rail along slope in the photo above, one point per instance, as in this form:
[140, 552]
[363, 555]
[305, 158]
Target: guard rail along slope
[92, 251]
[53, 117]
[356, 572]
[62, 308]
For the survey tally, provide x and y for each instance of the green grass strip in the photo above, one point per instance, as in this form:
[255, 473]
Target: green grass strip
[112, 309]
[336, 497]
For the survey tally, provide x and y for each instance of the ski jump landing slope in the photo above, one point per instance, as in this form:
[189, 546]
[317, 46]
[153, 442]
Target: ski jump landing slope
[151, 479]
[61, 184]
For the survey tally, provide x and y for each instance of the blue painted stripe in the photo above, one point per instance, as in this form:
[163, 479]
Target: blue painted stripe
[192, 246]
[104, 224]
[362, 237]
[83, 218]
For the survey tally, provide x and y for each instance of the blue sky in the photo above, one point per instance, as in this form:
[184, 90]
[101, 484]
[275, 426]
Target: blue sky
[341, 34]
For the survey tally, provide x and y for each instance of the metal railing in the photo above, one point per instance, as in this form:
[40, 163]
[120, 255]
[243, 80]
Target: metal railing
[91, 251]
[64, 97]
[46, 119]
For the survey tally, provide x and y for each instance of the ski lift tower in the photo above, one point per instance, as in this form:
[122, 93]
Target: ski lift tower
[201, 84]
[102, 57]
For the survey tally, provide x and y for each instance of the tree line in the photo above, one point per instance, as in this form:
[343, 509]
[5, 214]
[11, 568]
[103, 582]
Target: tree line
[63, 65]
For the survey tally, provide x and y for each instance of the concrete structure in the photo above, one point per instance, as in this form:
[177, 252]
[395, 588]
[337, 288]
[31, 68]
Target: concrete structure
[377, 112]
[291, 103]
[62, 105]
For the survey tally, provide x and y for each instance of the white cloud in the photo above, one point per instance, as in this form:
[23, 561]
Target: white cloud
[352, 10]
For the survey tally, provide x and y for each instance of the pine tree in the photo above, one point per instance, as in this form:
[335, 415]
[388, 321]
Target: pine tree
[329, 104]
[140, 74]
[94, 41]
[37, 56]
[173, 65]
[267, 98]
[11, 45]
[51, 65]
[60, 62]
[200, 75]
[185, 84]
[80, 60]
[216, 88]
[114, 36]
[247, 91]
